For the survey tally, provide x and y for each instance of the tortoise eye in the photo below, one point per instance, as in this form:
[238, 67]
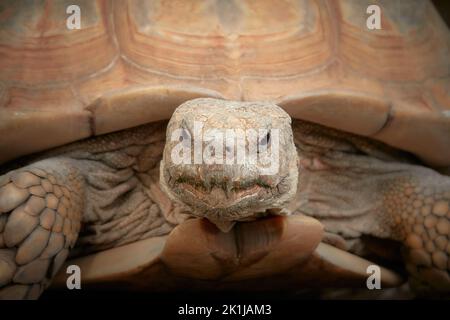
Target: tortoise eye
[185, 137]
[265, 140]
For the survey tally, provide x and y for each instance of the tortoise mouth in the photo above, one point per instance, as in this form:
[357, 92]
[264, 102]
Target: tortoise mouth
[221, 196]
[233, 196]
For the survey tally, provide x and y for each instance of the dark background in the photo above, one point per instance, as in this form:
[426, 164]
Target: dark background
[443, 7]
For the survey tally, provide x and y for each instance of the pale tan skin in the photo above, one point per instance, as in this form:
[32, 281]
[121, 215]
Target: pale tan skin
[353, 186]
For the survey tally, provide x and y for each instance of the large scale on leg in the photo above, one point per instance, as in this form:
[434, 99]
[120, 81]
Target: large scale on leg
[42, 208]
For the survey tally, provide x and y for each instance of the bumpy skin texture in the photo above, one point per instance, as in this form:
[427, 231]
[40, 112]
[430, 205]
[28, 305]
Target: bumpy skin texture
[104, 192]
[41, 212]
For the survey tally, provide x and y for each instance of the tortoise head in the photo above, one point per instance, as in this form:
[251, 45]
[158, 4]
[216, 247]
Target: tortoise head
[229, 161]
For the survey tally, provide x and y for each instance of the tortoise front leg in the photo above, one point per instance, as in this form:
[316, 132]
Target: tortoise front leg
[41, 208]
[356, 187]
[418, 209]
[355, 195]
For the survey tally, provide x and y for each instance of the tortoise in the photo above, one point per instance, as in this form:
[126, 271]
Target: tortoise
[359, 120]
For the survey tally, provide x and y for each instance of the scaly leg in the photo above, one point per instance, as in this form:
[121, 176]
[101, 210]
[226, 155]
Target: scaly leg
[418, 207]
[355, 195]
[41, 208]
[356, 187]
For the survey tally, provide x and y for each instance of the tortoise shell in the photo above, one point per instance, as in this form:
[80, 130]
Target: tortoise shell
[134, 62]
